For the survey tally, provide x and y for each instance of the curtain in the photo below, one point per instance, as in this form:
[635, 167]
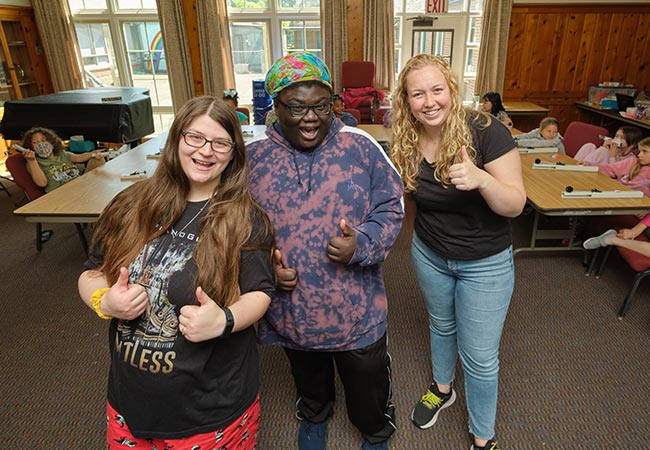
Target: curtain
[59, 39]
[334, 26]
[214, 41]
[494, 46]
[379, 41]
[174, 32]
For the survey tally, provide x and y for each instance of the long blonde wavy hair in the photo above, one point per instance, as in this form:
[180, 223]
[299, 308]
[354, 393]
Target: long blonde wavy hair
[455, 132]
[150, 207]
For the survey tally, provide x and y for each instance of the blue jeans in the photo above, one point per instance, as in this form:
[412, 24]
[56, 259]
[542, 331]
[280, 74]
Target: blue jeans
[467, 302]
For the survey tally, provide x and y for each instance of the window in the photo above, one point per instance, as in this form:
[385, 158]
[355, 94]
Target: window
[455, 36]
[121, 45]
[262, 31]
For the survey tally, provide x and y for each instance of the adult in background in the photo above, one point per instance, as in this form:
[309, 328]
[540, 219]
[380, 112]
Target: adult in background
[181, 264]
[492, 104]
[462, 174]
[335, 201]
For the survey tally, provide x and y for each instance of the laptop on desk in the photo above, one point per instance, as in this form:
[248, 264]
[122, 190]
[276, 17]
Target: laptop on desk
[624, 101]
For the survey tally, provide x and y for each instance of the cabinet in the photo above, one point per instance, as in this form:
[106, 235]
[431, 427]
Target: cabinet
[23, 70]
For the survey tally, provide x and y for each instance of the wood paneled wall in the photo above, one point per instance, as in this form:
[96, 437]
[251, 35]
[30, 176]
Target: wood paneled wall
[355, 30]
[556, 51]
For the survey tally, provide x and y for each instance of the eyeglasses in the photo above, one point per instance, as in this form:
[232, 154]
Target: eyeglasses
[198, 141]
[321, 109]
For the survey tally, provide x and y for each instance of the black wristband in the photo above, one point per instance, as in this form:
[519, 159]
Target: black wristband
[230, 322]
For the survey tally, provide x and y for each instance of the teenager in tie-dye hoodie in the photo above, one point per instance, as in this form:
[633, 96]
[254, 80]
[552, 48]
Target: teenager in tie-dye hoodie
[335, 201]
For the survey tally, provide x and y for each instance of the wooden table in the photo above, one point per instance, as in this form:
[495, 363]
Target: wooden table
[83, 199]
[379, 132]
[544, 191]
[524, 108]
[609, 116]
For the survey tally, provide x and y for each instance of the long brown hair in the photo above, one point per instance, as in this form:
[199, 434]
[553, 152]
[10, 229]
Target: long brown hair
[406, 129]
[150, 207]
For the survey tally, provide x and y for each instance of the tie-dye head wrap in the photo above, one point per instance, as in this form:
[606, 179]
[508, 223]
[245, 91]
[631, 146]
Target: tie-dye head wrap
[294, 68]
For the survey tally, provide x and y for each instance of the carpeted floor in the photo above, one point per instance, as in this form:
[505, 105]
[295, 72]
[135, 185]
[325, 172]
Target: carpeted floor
[572, 375]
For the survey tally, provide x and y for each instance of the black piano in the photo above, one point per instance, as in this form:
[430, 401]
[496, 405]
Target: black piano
[107, 114]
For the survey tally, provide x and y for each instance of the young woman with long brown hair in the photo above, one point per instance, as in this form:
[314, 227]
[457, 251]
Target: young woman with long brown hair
[181, 264]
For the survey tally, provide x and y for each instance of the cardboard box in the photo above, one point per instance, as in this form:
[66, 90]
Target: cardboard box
[597, 93]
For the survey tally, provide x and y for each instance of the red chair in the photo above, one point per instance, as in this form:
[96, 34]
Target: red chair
[578, 134]
[637, 262]
[379, 115]
[17, 166]
[641, 265]
[357, 76]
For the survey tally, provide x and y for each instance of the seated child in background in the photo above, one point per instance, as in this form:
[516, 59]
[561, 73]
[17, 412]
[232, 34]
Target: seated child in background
[492, 104]
[623, 238]
[547, 135]
[49, 164]
[231, 97]
[634, 172]
[338, 107]
[622, 146]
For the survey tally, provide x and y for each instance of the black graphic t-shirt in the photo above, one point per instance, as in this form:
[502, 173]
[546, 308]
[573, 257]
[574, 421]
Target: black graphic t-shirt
[161, 384]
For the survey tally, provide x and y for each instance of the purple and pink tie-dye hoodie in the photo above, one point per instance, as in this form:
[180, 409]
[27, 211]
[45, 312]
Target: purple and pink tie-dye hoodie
[306, 194]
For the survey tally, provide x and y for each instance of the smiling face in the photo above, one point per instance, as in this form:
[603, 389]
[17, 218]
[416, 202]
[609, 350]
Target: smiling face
[338, 107]
[203, 166]
[308, 131]
[428, 96]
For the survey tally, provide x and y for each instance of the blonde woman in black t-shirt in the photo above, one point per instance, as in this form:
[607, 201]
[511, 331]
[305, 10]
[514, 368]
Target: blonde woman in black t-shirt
[462, 174]
[181, 265]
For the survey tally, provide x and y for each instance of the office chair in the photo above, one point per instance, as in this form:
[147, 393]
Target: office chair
[17, 166]
[578, 134]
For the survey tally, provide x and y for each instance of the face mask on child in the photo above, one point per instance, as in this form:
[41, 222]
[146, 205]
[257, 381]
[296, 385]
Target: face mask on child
[43, 149]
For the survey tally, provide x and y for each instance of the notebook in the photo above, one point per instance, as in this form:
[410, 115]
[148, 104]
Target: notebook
[624, 101]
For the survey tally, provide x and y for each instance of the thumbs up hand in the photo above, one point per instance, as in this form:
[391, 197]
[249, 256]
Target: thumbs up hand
[465, 175]
[286, 278]
[203, 321]
[125, 301]
[341, 248]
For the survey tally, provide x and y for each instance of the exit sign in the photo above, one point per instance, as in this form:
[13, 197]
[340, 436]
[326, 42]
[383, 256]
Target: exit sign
[436, 6]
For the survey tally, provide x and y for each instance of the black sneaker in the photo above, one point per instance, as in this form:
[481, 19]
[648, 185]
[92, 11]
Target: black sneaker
[428, 408]
[491, 444]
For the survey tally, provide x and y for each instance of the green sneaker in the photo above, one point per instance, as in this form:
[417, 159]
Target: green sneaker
[428, 408]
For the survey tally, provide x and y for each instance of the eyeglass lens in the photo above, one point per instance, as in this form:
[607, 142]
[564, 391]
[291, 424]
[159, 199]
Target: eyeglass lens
[321, 109]
[198, 141]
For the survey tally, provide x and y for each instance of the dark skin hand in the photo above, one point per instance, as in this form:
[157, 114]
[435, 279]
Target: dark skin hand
[285, 278]
[341, 248]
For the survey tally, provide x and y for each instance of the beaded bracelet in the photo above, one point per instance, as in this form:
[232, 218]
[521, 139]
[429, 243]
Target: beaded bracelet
[96, 298]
